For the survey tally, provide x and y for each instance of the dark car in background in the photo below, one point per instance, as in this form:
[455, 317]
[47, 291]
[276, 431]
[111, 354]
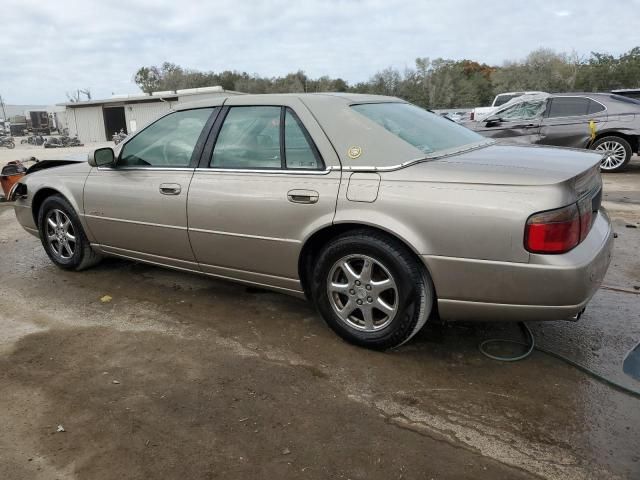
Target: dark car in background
[599, 121]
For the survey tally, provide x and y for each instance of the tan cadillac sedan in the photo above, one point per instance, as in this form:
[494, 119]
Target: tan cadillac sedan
[381, 213]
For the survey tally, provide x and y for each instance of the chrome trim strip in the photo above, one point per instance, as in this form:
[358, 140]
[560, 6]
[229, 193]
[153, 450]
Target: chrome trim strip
[136, 222]
[267, 171]
[408, 163]
[244, 235]
[146, 169]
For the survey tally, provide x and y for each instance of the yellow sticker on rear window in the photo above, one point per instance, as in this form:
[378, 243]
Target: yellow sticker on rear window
[354, 152]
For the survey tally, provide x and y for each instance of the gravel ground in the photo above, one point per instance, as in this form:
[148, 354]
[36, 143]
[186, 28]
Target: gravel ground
[180, 376]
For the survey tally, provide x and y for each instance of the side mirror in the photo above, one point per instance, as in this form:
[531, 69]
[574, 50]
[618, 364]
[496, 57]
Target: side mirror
[493, 121]
[102, 157]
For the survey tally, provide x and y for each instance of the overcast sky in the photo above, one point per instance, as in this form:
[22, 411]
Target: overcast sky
[50, 47]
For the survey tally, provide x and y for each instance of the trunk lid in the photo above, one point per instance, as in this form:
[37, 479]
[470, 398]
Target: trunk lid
[512, 165]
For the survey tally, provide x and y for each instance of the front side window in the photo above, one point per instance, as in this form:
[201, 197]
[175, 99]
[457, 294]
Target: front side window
[255, 138]
[568, 107]
[169, 142]
[424, 130]
[522, 111]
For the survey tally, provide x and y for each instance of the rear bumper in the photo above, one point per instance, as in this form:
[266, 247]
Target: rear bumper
[549, 287]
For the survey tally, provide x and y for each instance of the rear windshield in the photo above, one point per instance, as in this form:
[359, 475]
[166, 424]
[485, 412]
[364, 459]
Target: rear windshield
[424, 130]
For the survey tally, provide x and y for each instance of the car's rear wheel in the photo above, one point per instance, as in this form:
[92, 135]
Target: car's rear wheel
[62, 235]
[617, 153]
[371, 290]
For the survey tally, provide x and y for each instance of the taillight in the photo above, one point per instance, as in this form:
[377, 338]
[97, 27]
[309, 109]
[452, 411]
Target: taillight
[553, 231]
[585, 208]
[472, 116]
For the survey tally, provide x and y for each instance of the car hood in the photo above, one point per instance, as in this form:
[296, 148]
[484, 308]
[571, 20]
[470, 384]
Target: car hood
[74, 159]
[506, 165]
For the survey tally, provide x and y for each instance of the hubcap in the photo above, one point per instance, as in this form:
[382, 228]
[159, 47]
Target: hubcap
[362, 292]
[60, 234]
[615, 154]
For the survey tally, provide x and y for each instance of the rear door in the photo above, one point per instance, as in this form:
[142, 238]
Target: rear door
[567, 121]
[518, 123]
[138, 208]
[267, 179]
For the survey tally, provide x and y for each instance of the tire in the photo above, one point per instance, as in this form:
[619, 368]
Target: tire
[78, 254]
[335, 289]
[11, 145]
[620, 153]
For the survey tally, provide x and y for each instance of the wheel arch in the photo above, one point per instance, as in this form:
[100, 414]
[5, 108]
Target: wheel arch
[314, 243]
[631, 139]
[45, 192]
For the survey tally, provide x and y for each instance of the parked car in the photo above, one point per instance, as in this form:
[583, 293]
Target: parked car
[604, 122]
[379, 212]
[479, 113]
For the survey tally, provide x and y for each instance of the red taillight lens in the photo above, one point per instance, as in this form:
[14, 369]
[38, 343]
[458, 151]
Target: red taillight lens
[554, 231]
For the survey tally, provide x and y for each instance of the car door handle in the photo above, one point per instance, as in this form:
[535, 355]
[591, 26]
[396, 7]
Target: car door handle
[170, 189]
[303, 196]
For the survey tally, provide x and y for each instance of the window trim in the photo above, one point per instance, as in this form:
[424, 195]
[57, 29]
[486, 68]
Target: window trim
[197, 148]
[212, 138]
[547, 117]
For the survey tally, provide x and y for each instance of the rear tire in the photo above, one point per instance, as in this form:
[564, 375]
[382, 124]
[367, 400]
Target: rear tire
[63, 237]
[371, 290]
[619, 153]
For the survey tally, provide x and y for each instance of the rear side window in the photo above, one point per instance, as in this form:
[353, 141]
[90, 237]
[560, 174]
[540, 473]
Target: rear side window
[299, 151]
[168, 142]
[424, 130]
[595, 107]
[568, 107]
[264, 137]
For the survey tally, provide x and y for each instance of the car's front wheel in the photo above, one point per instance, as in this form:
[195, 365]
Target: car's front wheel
[371, 290]
[617, 153]
[62, 235]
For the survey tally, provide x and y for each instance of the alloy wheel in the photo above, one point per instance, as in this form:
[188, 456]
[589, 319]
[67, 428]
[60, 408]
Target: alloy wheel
[615, 154]
[362, 292]
[60, 234]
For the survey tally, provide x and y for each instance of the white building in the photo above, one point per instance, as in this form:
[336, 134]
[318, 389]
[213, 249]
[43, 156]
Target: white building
[98, 120]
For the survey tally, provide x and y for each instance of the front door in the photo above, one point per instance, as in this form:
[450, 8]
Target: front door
[138, 207]
[265, 183]
[518, 123]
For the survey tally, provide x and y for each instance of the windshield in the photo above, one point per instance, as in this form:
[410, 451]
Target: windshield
[504, 98]
[424, 130]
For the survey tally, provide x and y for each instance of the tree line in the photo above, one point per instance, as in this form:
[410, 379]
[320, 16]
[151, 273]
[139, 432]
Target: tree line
[437, 83]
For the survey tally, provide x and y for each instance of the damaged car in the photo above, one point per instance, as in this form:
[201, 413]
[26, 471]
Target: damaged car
[604, 122]
[380, 213]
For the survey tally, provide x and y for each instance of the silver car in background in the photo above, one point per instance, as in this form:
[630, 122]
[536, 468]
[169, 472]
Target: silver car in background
[380, 213]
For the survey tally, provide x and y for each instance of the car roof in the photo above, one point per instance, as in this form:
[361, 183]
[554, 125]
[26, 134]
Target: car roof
[328, 97]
